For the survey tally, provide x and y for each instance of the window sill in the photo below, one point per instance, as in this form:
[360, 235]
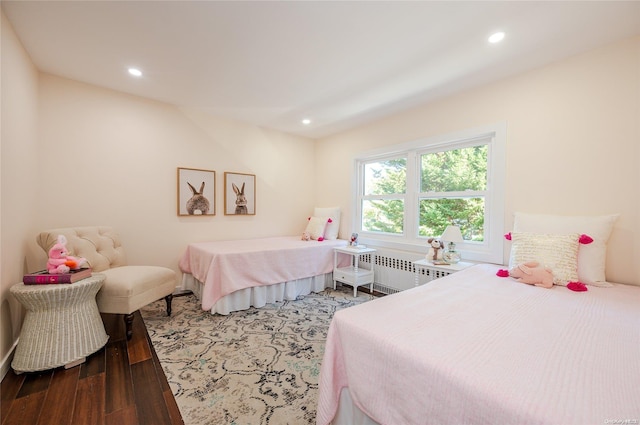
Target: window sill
[421, 249]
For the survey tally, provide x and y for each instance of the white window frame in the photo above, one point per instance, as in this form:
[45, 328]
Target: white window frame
[489, 251]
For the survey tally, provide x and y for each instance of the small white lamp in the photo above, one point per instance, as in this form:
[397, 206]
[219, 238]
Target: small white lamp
[452, 235]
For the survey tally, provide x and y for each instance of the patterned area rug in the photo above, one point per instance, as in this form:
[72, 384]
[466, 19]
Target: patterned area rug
[257, 366]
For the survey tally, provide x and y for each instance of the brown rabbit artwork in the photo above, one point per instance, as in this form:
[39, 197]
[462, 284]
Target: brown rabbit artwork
[241, 200]
[198, 203]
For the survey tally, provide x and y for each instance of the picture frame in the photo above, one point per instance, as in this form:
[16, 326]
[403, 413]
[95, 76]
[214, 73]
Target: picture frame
[196, 192]
[239, 194]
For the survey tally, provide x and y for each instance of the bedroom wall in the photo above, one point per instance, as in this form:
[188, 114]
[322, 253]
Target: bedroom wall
[75, 154]
[111, 159]
[573, 138]
[18, 178]
[95, 156]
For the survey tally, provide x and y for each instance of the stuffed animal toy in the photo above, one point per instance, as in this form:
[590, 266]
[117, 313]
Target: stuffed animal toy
[436, 248]
[59, 261]
[306, 236]
[533, 274]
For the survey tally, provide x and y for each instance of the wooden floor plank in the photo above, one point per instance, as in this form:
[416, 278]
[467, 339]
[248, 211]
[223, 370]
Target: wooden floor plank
[164, 384]
[60, 399]
[126, 416]
[25, 410]
[119, 388]
[90, 401]
[8, 391]
[35, 382]
[172, 407]
[152, 409]
[95, 364]
[138, 346]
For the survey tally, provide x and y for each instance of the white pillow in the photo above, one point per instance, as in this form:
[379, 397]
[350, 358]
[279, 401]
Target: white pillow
[334, 214]
[591, 257]
[316, 227]
[558, 252]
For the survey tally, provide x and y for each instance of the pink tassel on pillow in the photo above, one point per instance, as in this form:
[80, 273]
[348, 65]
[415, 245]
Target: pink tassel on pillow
[577, 286]
[585, 239]
[502, 273]
[508, 236]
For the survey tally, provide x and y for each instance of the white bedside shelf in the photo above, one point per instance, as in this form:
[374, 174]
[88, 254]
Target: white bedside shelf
[354, 274]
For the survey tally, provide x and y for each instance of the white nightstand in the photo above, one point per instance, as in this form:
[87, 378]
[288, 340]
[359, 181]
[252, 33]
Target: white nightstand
[354, 274]
[432, 271]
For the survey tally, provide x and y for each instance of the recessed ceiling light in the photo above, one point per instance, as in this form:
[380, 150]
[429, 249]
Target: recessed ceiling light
[135, 72]
[306, 121]
[496, 37]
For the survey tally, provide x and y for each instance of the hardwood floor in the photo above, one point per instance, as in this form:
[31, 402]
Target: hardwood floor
[122, 384]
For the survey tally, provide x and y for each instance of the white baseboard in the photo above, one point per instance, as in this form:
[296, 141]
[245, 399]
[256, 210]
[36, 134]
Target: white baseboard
[6, 361]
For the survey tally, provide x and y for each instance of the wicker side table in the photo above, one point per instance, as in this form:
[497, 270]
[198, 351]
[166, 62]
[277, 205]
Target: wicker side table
[62, 325]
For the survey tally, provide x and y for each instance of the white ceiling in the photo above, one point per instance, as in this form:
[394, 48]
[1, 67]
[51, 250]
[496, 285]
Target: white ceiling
[339, 63]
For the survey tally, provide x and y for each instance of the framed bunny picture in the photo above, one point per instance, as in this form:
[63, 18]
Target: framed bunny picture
[196, 192]
[239, 194]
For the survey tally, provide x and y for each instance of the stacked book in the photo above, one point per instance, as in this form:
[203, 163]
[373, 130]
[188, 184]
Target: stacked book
[43, 277]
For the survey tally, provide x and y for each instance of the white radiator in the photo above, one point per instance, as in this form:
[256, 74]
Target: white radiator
[394, 270]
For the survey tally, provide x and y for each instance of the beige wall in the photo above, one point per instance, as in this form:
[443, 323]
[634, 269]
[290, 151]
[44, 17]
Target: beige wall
[111, 159]
[572, 143]
[19, 173]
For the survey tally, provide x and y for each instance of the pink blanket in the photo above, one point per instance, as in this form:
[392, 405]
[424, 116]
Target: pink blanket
[476, 348]
[227, 266]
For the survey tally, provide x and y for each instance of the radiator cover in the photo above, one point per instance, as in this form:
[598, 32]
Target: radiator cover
[395, 272]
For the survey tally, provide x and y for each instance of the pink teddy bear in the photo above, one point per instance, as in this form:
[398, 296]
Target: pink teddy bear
[531, 273]
[59, 261]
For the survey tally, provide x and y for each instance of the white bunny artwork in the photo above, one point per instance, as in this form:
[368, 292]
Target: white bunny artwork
[241, 200]
[198, 204]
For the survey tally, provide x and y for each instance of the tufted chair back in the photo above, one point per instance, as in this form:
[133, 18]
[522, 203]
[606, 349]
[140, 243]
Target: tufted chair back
[99, 245]
[126, 288]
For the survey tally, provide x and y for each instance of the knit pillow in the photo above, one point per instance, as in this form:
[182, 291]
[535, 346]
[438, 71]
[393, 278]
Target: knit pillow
[558, 252]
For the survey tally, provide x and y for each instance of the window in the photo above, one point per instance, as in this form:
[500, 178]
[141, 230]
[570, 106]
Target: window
[453, 187]
[409, 193]
[385, 185]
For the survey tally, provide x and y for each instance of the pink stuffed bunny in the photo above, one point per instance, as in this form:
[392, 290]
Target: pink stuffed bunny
[531, 273]
[59, 261]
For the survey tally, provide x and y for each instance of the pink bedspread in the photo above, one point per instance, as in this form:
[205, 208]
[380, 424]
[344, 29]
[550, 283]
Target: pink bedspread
[227, 266]
[473, 348]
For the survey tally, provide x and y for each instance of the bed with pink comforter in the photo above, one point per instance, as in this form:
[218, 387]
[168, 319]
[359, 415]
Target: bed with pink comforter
[473, 348]
[223, 268]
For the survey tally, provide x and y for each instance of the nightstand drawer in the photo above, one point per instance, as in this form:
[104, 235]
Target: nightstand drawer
[349, 275]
